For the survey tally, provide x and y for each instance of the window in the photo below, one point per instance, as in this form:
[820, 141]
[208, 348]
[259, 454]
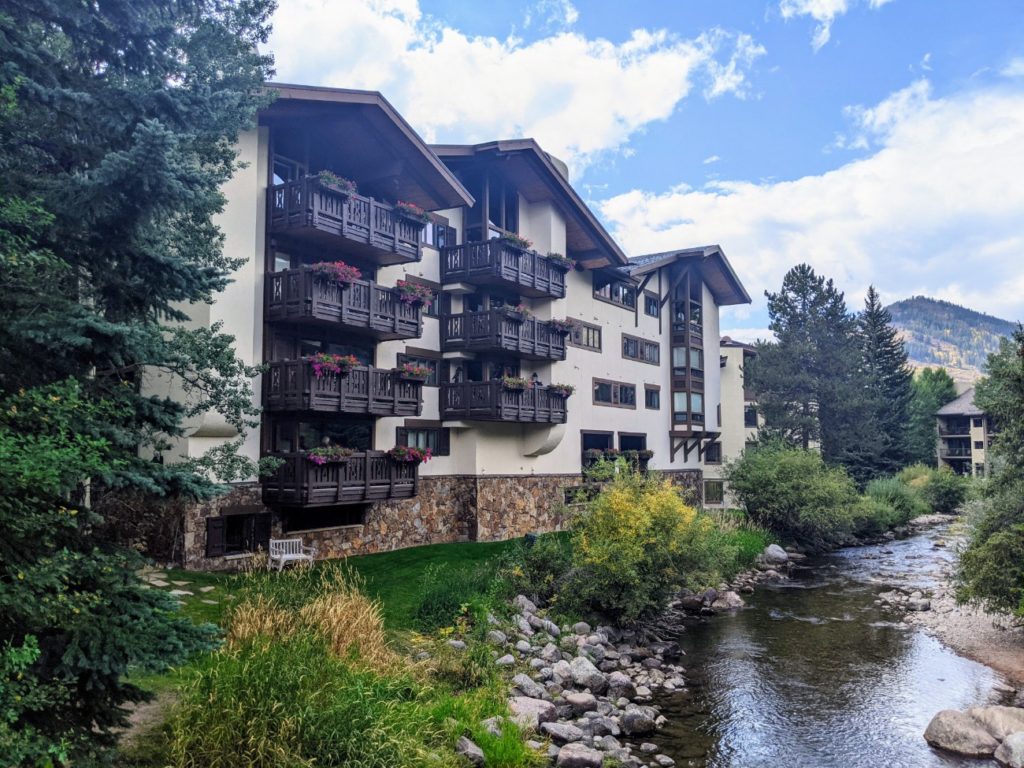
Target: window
[652, 305]
[713, 453]
[632, 442]
[614, 291]
[697, 402]
[614, 393]
[652, 398]
[436, 438]
[585, 336]
[688, 406]
[750, 416]
[979, 444]
[233, 534]
[977, 422]
[601, 441]
[641, 350]
[714, 492]
[429, 362]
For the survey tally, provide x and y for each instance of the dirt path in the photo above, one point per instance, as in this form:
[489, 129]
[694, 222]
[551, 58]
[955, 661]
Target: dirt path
[146, 716]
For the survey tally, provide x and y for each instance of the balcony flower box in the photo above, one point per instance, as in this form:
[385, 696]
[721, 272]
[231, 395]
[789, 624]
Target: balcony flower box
[404, 454]
[337, 271]
[611, 454]
[561, 327]
[412, 211]
[413, 372]
[329, 454]
[325, 364]
[514, 383]
[414, 294]
[516, 241]
[337, 183]
[561, 262]
[561, 390]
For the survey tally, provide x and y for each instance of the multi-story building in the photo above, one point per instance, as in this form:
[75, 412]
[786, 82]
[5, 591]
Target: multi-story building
[531, 292]
[965, 435]
[738, 420]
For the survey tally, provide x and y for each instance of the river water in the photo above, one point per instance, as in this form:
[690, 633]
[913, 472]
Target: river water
[812, 674]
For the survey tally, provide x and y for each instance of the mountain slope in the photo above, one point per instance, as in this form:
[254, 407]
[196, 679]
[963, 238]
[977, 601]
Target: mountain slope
[938, 333]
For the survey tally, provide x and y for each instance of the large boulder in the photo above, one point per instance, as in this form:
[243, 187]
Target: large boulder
[958, 732]
[586, 675]
[999, 721]
[728, 601]
[1011, 751]
[529, 713]
[578, 756]
[637, 721]
[528, 686]
[775, 555]
[562, 733]
[620, 686]
[581, 702]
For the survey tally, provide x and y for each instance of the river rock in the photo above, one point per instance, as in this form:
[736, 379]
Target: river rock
[470, 751]
[999, 721]
[581, 628]
[578, 756]
[620, 686]
[529, 713]
[581, 702]
[497, 637]
[528, 686]
[586, 675]
[523, 604]
[563, 733]
[957, 732]
[919, 604]
[728, 601]
[1011, 751]
[775, 554]
[505, 661]
[636, 722]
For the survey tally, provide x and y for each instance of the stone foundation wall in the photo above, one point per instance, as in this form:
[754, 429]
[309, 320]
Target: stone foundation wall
[447, 509]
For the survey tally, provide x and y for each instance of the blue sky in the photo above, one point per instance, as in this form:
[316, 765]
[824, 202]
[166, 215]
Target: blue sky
[880, 140]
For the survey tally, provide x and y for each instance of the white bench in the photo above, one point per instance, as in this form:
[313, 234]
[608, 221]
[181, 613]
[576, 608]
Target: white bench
[284, 551]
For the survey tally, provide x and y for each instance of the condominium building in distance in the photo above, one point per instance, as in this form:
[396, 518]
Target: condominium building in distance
[964, 436]
[542, 345]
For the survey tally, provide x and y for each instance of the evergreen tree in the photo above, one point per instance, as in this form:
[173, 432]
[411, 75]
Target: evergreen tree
[807, 381]
[1001, 396]
[932, 388]
[117, 126]
[888, 380]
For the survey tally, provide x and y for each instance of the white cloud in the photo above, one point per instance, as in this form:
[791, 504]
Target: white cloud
[551, 14]
[578, 96]
[934, 209]
[926, 62]
[825, 12]
[711, 159]
[1015, 68]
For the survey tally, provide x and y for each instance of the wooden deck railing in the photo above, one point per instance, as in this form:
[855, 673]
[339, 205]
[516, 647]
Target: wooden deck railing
[297, 294]
[363, 477]
[497, 330]
[307, 208]
[291, 385]
[491, 401]
[496, 262]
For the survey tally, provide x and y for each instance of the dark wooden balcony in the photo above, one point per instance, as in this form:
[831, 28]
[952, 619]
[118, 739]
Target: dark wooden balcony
[363, 477]
[496, 262]
[364, 307]
[291, 385]
[306, 210]
[491, 401]
[496, 330]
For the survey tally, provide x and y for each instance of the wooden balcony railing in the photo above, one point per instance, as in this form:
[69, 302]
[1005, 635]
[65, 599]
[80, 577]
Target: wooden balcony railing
[291, 385]
[308, 210]
[490, 401]
[363, 477]
[498, 330]
[496, 262]
[364, 306]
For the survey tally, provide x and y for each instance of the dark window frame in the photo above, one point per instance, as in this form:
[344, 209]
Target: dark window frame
[649, 297]
[646, 350]
[578, 328]
[720, 495]
[613, 286]
[713, 453]
[255, 533]
[427, 357]
[442, 435]
[651, 389]
[616, 389]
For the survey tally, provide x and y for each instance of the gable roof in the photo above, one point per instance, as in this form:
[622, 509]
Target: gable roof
[539, 176]
[715, 270]
[962, 406]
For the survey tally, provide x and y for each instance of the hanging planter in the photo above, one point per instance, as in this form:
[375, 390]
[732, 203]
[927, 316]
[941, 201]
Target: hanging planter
[561, 327]
[516, 241]
[413, 294]
[561, 390]
[611, 454]
[593, 455]
[412, 211]
[646, 454]
[329, 454]
[326, 364]
[561, 262]
[413, 372]
[518, 313]
[337, 183]
[404, 454]
[337, 271]
[514, 383]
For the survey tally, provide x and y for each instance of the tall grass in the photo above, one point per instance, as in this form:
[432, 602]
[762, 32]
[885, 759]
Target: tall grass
[905, 499]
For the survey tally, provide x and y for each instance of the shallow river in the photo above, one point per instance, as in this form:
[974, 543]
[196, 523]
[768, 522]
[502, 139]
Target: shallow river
[812, 674]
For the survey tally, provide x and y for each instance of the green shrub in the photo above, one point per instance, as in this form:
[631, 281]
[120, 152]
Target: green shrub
[446, 589]
[945, 491]
[903, 498]
[874, 516]
[991, 568]
[794, 495]
[537, 571]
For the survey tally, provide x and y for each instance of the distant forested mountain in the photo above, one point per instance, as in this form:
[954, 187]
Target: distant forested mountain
[944, 334]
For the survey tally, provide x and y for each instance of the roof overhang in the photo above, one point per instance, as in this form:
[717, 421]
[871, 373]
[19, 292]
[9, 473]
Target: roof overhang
[418, 174]
[715, 270]
[539, 177]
